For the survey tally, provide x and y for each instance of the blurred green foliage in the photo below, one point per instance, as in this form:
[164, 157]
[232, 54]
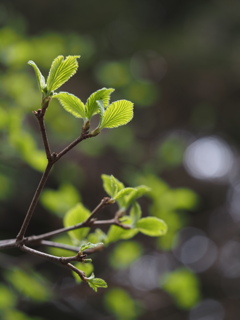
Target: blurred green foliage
[183, 286]
[121, 305]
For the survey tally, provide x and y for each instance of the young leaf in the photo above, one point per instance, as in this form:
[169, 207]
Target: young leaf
[40, 77]
[111, 185]
[74, 216]
[135, 213]
[60, 72]
[100, 95]
[152, 226]
[101, 108]
[90, 245]
[71, 103]
[136, 193]
[116, 233]
[117, 114]
[96, 283]
[123, 192]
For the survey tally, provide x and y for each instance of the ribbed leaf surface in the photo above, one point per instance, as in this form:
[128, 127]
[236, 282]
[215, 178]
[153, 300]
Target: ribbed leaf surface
[92, 106]
[117, 114]
[71, 103]
[61, 70]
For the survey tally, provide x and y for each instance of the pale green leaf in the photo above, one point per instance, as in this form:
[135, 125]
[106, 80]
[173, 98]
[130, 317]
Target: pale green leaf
[75, 216]
[136, 193]
[100, 95]
[60, 72]
[90, 245]
[40, 77]
[111, 185]
[71, 104]
[152, 226]
[117, 114]
[135, 213]
[123, 192]
[96, 283]
[116, 233]
[101, 108]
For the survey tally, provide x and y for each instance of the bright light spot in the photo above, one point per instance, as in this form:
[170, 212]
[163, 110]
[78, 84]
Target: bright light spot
[230, 259]
[195, 250]
[209, 158]
[207, 310]
[145, 272]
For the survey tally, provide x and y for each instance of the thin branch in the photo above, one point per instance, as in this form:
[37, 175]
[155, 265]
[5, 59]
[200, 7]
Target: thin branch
[34, 202]
[40, 254]
[84, 135]
[40, 117]
[59, 245]
[87, 223]
[104, 202]
[112, 222]
[80, 273]
[5, 244]
[63, 260]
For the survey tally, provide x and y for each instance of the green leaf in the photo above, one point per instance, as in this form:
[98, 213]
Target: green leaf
[136, 193]
[92, 106]
[117, 114]
[40, 77]
[89, 245]
[61, 71]
[101, 108]
[111, 185]
[152, 226]
[74, 216]
[71, 104]
[123, 192]
[116, 233]
[96, 283]
[135, 213]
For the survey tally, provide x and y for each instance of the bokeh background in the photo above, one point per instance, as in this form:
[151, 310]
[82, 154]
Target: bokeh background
[179, 62]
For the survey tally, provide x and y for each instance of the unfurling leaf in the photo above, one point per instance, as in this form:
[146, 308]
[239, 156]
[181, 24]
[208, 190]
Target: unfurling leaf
[135, 213]
[136, 193]
[117, 114]
[60, 72]
[116, 233]
[96, 283]
[71, 103]
[111, 185]
[123, 192]
[100, 95]
[40, 77]
[152, 226]
[90, 245]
